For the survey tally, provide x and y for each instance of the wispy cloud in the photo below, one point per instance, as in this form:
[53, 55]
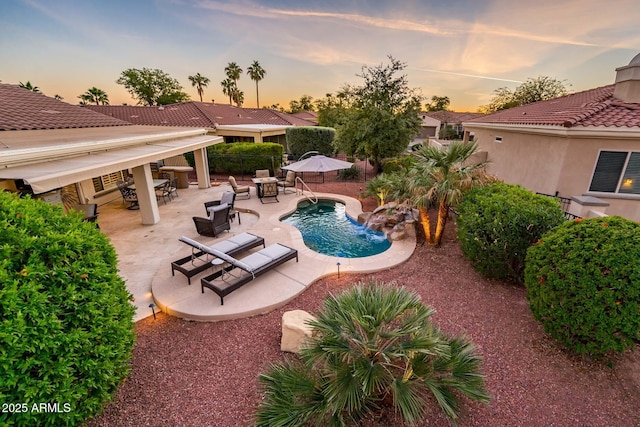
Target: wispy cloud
[475, 76]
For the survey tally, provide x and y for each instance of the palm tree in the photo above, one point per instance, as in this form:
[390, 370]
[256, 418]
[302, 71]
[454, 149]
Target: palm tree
[94, 95]
[238, 97]
[233, 71]
[28, 86]
[256, 73]
[228, 88]
[200, 82]
[372, 347]
[439, 178]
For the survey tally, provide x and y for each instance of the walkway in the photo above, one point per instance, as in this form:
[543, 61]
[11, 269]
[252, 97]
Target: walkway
[146, 252]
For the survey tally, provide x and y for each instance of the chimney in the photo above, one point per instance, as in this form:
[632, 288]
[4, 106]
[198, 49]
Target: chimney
[628, 82]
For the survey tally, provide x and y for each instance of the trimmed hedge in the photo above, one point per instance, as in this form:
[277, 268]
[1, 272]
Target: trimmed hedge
[583, 284]
[301, 139]
[67, 321]
[498, 223]
[245, 157]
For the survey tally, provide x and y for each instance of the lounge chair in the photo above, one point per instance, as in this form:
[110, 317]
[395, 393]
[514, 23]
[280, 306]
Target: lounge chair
[200, 258]
[228, 197]
[239, 189]
[242, 271]
[217, 222]
[262, 173]
[288, 182]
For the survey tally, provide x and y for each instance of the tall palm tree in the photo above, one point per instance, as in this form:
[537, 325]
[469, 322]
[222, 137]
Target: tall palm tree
[228, 88]
[238, 97]
[439, 178]
[30, 87]
[94, 95]
[256, 73]
[233, 71]
[199, 82]
[373, 348]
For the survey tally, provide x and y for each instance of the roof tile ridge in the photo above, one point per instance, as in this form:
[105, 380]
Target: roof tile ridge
[590, 109]
[198, 106]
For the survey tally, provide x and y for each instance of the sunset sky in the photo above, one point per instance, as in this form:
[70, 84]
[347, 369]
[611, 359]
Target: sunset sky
[463, 49]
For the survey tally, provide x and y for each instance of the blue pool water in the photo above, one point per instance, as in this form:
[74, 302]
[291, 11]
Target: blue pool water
[327, 229]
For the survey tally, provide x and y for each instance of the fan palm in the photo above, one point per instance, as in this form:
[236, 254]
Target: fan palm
[372, 347]
[233, 71]
[439, 178]
[94, 95]
[256, 73]
[199, 82]
[228, 88]
[238, 97]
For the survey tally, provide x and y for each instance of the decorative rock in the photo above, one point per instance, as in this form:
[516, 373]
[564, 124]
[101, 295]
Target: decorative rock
[364, 217]
[295, 330]
[396, 235]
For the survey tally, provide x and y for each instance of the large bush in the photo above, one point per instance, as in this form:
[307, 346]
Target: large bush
[301, 139]
[244, 157]
[373, 349]
[66, 332]
[498, 223]
[583, 284]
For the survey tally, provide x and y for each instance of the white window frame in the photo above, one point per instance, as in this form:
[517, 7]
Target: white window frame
[621, 178]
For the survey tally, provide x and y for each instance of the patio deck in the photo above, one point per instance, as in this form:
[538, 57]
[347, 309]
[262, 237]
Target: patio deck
[145, 254]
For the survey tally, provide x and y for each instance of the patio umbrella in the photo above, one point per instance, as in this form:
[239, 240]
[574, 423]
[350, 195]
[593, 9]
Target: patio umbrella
[318, 164]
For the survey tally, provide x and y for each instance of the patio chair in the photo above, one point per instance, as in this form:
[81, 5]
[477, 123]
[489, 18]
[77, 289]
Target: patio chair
[269, 189]
[129, 195]
[201, 256]
[173, 188]
[228, 197]
[288, 182]
[262, 173]
[239, 189]
[164, 191]
[243, 271]
[217, 222]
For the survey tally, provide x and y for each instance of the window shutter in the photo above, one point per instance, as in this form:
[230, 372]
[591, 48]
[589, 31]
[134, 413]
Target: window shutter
[608, 171]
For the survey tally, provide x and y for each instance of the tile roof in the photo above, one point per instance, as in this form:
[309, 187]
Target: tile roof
[22, 109]
[198, 114]
[594, 107]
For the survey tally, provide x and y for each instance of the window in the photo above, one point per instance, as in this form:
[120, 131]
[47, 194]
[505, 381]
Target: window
[107, 181]
[499, 139]
[617, 172]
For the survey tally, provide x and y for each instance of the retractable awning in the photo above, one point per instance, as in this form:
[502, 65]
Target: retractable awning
[83, 156]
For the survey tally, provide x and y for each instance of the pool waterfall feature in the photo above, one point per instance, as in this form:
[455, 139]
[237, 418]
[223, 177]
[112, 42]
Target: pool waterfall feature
[328, 230]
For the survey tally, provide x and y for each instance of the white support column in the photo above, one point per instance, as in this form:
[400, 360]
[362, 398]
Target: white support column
[146, 194]
[202, 168]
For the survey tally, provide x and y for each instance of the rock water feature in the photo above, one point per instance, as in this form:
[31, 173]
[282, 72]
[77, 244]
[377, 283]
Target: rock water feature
[396, 221]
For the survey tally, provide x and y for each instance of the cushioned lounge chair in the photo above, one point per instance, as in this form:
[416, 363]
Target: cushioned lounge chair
[201, 255]
[288, 182]
[239, 189]
[217, 222]
[228, 197]
[242, 271]
[262, 173]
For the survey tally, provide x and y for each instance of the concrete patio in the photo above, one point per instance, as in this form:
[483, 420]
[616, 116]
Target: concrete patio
[145, 254]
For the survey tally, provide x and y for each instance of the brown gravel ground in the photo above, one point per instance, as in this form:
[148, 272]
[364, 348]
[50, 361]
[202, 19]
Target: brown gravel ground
[205, 374]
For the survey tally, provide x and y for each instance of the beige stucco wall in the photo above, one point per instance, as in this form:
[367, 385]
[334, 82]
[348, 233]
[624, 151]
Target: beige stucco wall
[547, 163]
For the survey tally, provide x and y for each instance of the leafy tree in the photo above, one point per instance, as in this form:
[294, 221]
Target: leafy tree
[373, 348]
[256, 73]
[439, 178]
[199, 82]
[384, 117]
[152, 87]
[332, 110]
[304, 104]
[94, 95]
[29, 86]
[438, 103]
[67, 321]
[541, 88]
[228, 88]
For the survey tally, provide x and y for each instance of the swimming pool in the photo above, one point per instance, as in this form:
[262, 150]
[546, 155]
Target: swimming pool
[327, 229]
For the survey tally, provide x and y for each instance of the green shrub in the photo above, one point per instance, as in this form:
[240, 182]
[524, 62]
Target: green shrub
[67, 321]
[244, 157]
[583, 284]
[373, 349]
[398, 164]
[301, 139]
[350, 174]
[498, 223]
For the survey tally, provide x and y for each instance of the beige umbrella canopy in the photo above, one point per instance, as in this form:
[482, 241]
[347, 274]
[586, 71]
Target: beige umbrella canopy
[318, 164]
